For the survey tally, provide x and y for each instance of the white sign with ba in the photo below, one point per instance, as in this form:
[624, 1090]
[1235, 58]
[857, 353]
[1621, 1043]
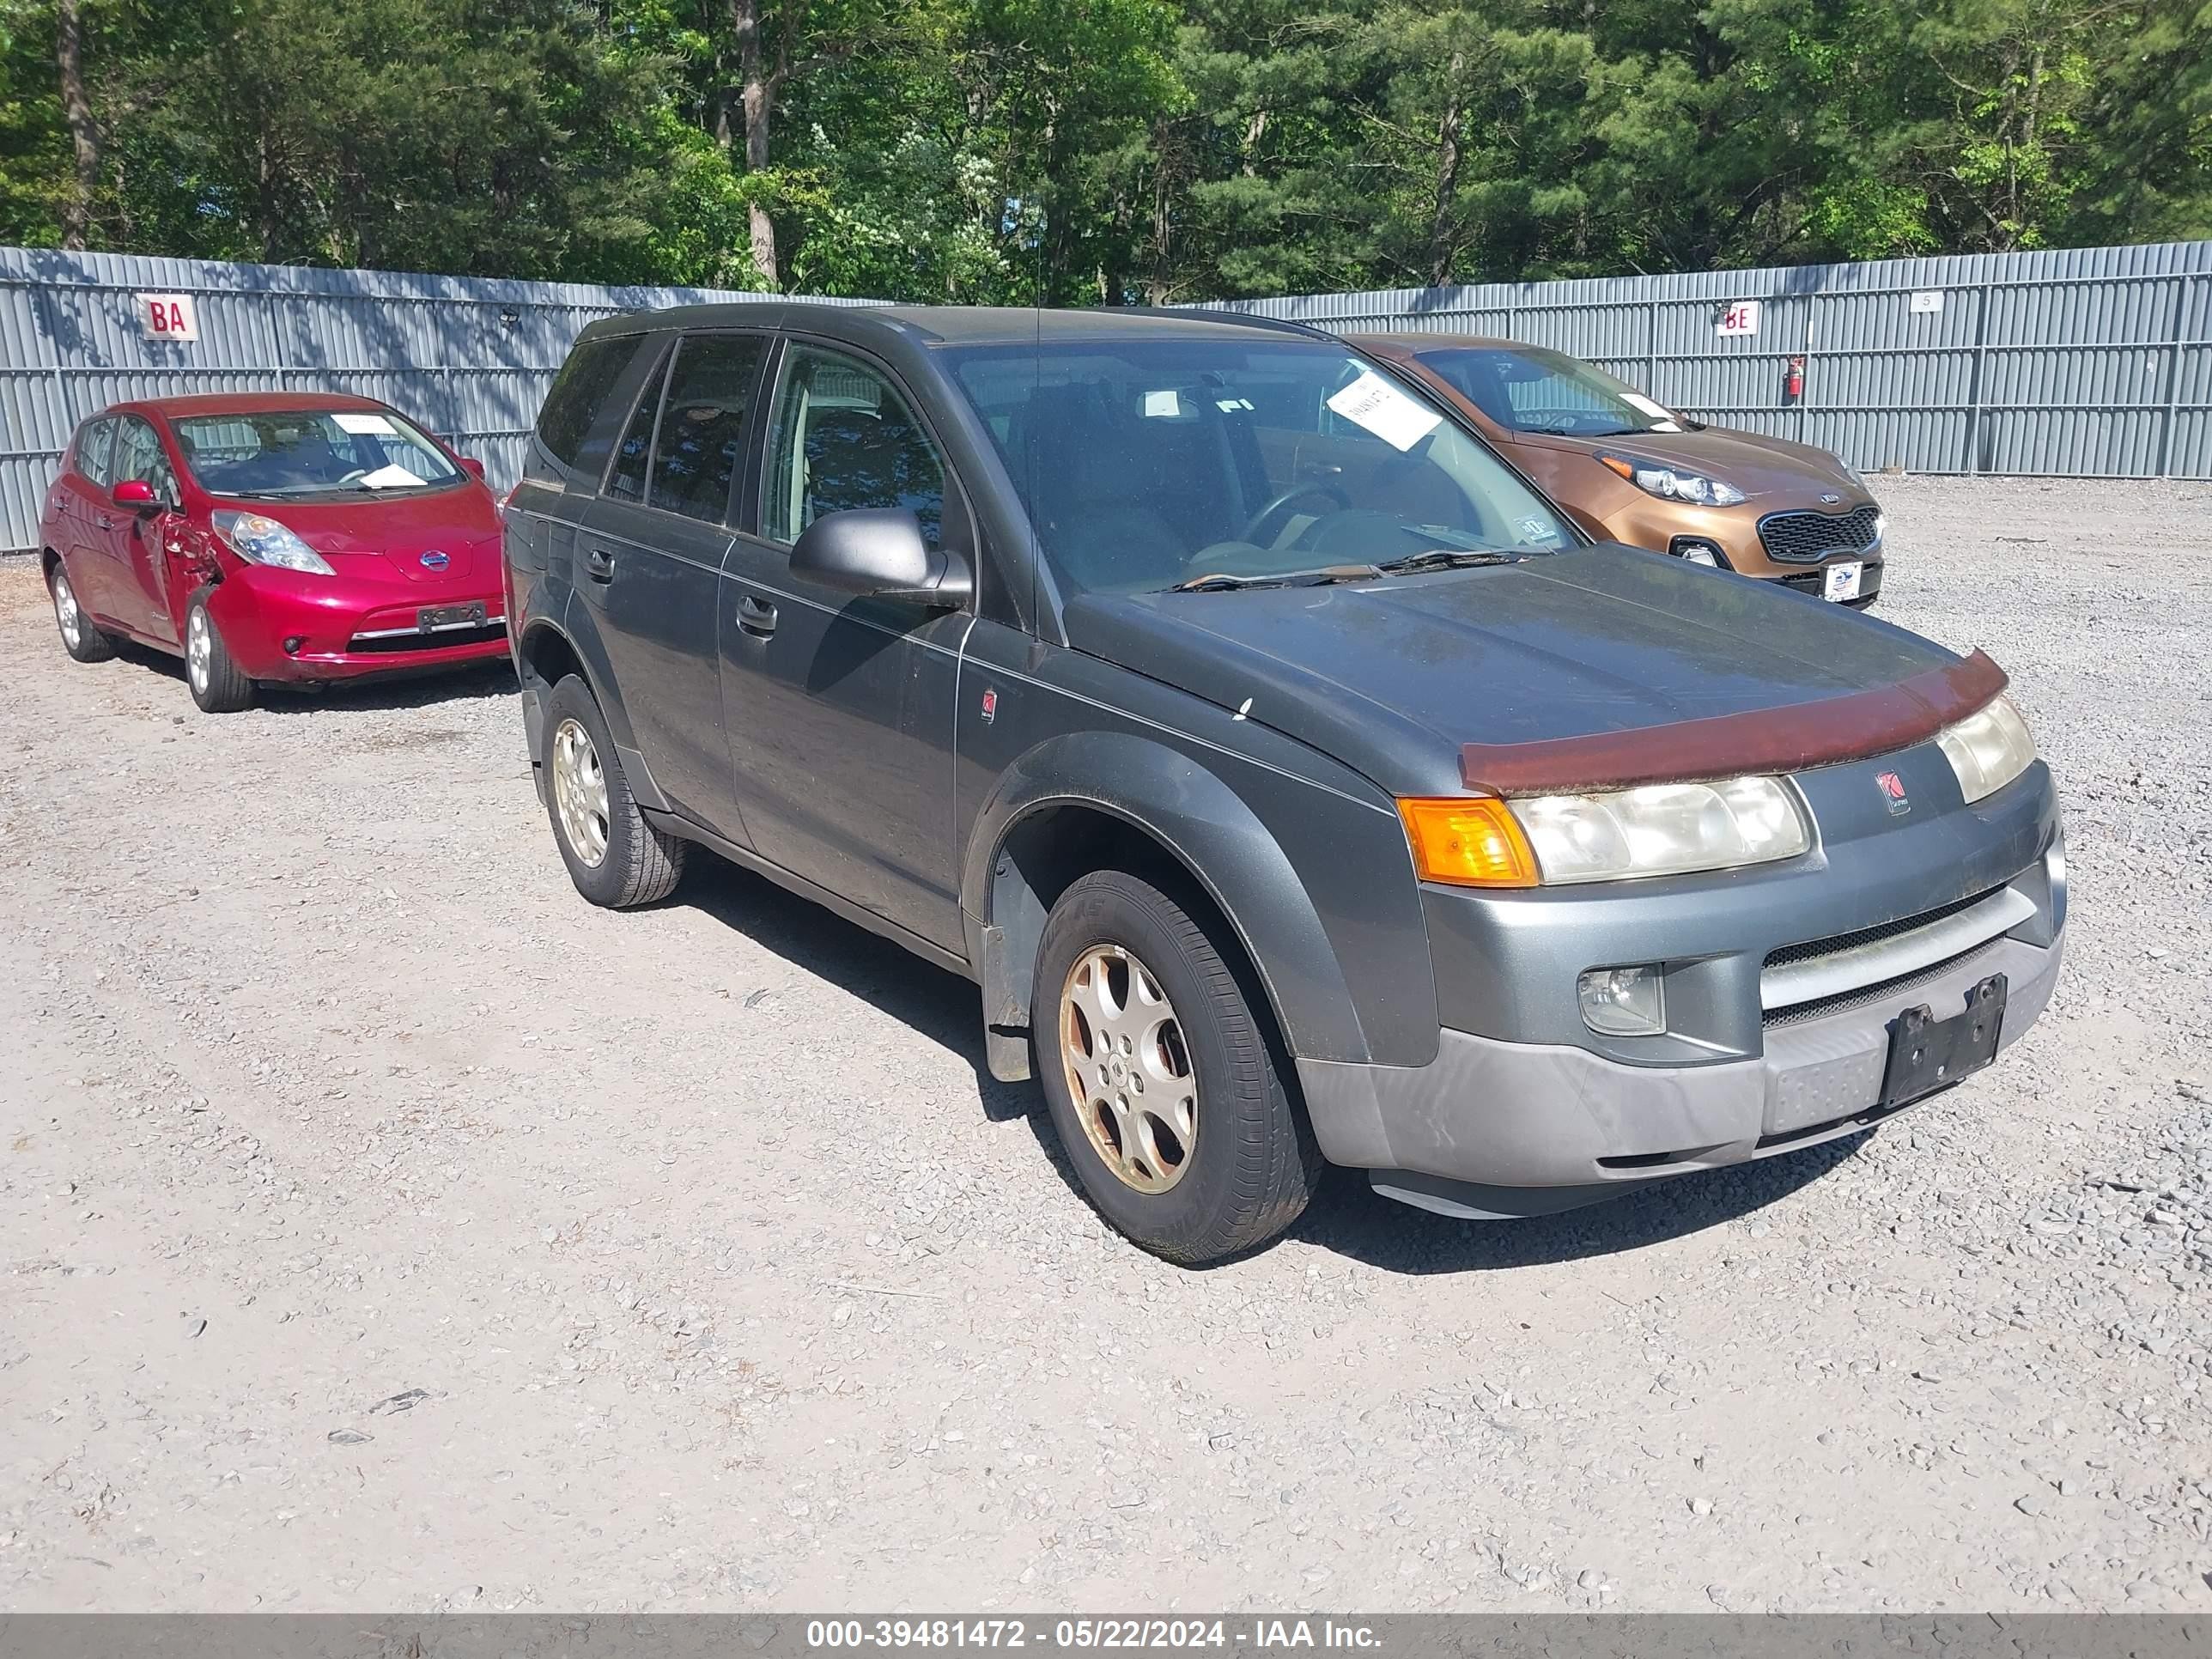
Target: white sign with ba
[168, 317]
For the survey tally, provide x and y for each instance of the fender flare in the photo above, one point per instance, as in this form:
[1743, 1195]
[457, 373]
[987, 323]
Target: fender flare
[591, 654]
[1201, 822]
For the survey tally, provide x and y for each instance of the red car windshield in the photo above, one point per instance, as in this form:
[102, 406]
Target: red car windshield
[311, 452]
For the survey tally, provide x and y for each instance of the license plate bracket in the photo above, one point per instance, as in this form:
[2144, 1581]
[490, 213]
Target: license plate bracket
[1927, 1054]
[1841, 581]
[433, 617]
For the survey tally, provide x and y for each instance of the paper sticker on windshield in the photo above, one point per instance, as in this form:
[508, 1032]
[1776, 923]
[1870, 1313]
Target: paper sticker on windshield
[1162, 405]
[1538, 532]
[363, 425]
[389, 477]
[1659, 412]
[1372, 402]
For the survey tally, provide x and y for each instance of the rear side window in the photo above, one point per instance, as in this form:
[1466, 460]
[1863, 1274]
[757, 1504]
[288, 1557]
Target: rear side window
[627, 481]
[92, 450]
[704, 433]
[578, 390]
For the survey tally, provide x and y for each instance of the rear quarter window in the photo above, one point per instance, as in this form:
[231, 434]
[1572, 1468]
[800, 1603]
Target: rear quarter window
[578, 391]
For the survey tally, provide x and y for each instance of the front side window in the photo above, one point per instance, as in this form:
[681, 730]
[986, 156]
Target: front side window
[1145, 464]
[92, 450]
[283, 453]
[842, 437]
[1528, 389]
[137, 454]
[701, 442]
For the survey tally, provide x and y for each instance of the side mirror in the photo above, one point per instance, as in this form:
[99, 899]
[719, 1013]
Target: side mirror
[136, 496]
[473, 467]
[879, 551]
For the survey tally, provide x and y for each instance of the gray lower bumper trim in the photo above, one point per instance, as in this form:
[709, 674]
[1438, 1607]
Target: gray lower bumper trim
[1513, 1115]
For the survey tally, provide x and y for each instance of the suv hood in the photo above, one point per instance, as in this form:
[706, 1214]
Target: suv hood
[1391, 676]
[1755, 462]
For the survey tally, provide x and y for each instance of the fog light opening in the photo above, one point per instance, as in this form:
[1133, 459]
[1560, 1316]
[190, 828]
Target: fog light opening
[293, 643]
[1695, 549]
[1628, 1001]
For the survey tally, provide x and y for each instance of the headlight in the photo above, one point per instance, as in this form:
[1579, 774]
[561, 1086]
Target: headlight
[1989, 749]
[1674, 484]
[259, 539]
[1660, 830]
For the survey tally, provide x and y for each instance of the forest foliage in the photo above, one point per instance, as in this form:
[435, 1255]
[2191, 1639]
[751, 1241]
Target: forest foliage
[1089, 151]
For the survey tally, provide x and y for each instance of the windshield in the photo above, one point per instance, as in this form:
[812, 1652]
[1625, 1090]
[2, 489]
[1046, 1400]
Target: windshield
[1150, 466]
[1528, 389]
[311, 452]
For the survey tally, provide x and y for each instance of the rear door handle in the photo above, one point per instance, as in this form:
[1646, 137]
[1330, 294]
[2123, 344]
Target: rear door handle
[756, 617]
[107, 523]
[601, 564]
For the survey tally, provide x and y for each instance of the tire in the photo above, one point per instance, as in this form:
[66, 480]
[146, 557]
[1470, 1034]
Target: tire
[614, 856]
[1195, 1188]
[81, 636]
[218, 685]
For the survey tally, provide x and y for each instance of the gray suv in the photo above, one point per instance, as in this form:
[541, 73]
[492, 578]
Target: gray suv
[1296, 781]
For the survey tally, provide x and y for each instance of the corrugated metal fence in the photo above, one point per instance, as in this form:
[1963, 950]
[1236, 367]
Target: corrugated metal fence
[471, 359]
[2087, 361]
[2083, 361]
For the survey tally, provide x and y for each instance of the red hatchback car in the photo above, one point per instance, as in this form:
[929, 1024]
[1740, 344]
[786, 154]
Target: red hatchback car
[292, 536]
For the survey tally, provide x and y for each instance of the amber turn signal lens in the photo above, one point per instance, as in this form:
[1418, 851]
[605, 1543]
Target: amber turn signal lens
[1470, 841]
[1615, 463]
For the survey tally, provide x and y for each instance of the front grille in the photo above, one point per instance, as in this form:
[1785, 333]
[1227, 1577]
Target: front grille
[1800, 537]
[1845, 1001]
[444, 639]
[1860, 995]
[1781, 955]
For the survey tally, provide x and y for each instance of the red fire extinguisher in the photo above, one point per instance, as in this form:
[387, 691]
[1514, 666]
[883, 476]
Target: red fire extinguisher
[1795, 385]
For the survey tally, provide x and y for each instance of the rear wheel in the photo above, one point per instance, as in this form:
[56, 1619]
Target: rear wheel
[81, 637]
[614, 856]
[218, 684]
[1162, 1081]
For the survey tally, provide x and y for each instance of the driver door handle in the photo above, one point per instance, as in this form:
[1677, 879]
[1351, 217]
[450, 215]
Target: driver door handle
[107, 523]
[756, 617]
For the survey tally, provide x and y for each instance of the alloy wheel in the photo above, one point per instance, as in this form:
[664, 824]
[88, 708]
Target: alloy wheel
[580, 792]
[65, 612]
[1128, 1068]
[199, 649]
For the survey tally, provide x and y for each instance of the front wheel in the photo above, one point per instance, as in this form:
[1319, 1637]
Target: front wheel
[81, 636]
[1162, 1081]
[218, 684]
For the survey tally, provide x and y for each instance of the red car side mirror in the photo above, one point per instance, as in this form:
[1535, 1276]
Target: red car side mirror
[135, 494]
[472, 466]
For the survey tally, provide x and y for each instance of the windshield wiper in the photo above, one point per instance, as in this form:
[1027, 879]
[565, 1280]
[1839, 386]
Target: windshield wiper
[1450, 558]
[1318, 578]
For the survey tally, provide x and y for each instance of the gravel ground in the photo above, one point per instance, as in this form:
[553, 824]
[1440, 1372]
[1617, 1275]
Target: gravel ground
[381, 1227]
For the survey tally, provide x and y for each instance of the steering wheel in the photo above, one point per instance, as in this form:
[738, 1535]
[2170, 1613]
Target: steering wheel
[358, 472]
[1258, 522]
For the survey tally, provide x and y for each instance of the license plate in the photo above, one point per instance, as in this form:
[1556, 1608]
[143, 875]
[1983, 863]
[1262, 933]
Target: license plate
[1841, 581]
[1927, 1054]
[431, 617]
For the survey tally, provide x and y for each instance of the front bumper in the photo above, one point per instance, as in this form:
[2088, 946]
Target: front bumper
[337, 628]
[1492, 1128]
[1783, 986]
